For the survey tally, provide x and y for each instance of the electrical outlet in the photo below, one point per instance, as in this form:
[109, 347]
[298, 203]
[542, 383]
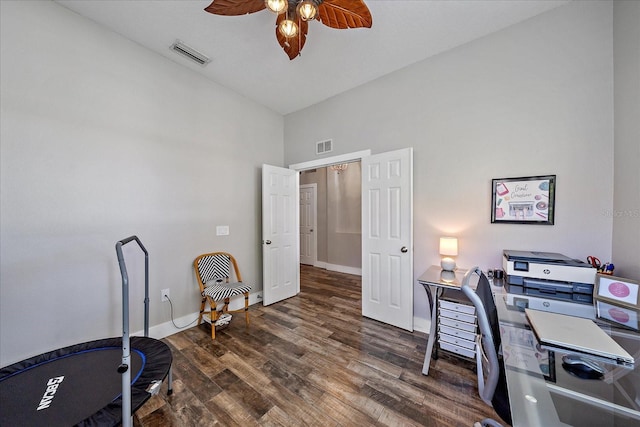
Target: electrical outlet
[164, 295]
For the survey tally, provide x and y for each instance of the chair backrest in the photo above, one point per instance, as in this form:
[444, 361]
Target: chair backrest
[482, 299]
[215, 265]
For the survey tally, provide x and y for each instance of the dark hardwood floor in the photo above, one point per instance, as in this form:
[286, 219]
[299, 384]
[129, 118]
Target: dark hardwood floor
[312, 360]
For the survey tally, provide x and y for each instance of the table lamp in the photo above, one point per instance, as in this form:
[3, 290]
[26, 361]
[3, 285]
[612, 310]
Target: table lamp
[448, 248]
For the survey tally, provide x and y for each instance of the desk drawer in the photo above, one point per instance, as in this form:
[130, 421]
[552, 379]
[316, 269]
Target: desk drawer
[469, 318]
[444, 338]
[458, 350]
[456, 306]
[454, 323]
[469, 336]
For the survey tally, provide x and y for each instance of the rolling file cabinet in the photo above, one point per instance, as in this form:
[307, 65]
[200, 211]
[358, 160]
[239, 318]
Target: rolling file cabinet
[457, 324]
[453, 325]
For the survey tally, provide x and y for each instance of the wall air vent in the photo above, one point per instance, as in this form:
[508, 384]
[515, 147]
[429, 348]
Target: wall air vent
[190, 53]
[324, 146]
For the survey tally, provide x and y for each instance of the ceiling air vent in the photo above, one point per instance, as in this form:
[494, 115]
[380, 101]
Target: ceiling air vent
[324, 146]
[190, 53]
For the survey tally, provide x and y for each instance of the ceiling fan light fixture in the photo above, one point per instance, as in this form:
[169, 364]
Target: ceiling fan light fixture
[288, 28]
[307, 10]
[276, 6]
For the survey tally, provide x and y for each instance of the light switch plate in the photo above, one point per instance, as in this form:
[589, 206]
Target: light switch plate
[222, 230]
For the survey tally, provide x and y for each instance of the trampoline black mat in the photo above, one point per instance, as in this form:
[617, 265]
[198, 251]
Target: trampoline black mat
[80, 384]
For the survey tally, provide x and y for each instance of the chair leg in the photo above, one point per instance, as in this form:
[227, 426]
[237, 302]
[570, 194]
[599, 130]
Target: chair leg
[246, 308]
[204, 300]
[213, 316]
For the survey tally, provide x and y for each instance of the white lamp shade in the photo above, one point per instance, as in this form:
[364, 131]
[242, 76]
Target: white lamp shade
[449, 246]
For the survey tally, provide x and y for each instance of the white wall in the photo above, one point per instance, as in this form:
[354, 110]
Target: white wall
[102, 139]
[626, 205]
[533, 99]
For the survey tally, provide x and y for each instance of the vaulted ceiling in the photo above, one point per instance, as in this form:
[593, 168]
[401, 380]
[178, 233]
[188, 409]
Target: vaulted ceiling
[246, 57]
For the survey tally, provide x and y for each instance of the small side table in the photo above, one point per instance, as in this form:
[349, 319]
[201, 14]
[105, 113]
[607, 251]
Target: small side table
[435, 281]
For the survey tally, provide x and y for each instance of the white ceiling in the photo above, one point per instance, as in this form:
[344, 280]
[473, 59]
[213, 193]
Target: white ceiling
[247, 58]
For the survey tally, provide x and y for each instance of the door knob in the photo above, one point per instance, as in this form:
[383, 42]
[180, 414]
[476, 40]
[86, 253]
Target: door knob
[404, 249]
[268, 242]
[311, 231]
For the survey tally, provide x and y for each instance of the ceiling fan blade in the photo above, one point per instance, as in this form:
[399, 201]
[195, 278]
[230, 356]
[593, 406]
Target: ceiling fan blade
[235, 7]
[292, 46]
[343, 14]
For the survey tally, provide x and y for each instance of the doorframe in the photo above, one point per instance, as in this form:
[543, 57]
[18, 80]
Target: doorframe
[356, 156]
[328, 161]
[314, 230]
[346, 158]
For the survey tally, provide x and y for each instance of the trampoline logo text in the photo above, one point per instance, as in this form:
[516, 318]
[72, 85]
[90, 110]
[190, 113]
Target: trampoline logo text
[52, 387]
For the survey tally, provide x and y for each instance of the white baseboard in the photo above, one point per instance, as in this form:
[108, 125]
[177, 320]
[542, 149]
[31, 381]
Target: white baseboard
[338, 268]
[344, 269]
[165, 329]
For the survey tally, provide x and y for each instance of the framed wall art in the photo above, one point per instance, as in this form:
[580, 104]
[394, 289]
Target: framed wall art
[526, 200]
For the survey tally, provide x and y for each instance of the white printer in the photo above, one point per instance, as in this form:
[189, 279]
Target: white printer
[549, 281]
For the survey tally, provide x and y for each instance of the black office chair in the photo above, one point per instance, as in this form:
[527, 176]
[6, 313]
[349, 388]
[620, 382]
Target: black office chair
[492, 385]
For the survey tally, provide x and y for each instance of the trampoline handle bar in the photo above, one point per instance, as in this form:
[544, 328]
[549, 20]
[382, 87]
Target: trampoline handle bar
[126, 356]
[125, 281]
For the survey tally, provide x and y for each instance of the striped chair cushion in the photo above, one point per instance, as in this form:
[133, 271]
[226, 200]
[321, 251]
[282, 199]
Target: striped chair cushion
[219, 290]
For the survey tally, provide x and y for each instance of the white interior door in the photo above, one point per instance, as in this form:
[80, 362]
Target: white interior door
[387, 238]
[308, 224]
[280, 235]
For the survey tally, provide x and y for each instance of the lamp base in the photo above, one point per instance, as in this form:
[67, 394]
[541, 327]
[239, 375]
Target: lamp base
[448, 276]
[448, 264]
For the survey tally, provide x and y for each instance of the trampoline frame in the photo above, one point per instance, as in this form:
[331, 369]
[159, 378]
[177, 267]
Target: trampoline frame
[148, 382]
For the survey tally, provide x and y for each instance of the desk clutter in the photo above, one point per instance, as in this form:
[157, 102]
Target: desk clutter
[606, 268]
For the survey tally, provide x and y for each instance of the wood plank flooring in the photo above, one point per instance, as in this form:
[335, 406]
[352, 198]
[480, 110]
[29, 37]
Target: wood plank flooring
[312, 360]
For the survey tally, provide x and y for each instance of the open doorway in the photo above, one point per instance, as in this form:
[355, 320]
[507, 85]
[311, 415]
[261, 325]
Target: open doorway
[331, 217]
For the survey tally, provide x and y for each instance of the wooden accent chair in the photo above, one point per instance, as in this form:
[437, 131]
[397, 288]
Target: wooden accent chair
[214, 274]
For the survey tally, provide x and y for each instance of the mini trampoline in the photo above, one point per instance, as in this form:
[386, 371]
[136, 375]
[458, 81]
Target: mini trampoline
[97, 383]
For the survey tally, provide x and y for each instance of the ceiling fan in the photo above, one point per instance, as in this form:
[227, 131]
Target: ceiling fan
[293, 18]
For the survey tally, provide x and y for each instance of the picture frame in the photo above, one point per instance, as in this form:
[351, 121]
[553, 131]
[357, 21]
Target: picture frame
[524, 200]
[617, 290]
